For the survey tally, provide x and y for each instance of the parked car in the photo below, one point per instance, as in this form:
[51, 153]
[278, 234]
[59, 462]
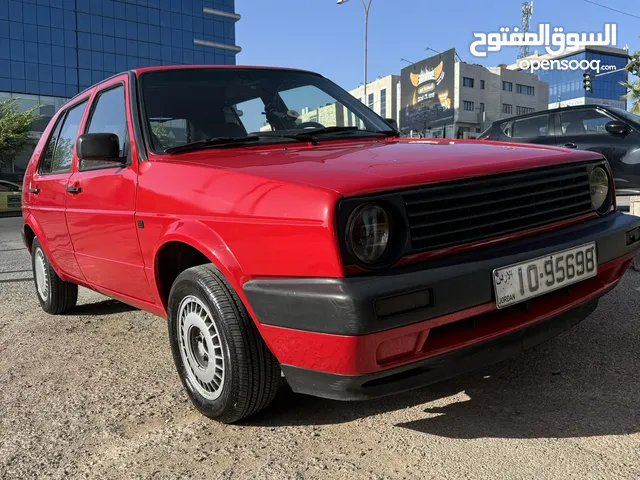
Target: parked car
[357, 263]
[610, 131]
[10, 197]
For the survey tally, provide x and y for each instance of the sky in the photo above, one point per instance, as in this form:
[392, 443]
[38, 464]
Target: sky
[321, 36]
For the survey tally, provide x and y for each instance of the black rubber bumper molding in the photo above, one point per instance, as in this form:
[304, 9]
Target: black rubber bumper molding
[382, 301]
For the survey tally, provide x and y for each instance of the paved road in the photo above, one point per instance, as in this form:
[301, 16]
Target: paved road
[95, 393]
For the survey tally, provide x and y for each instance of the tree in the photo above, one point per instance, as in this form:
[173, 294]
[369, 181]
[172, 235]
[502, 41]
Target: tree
[633, 88]
[14, 129]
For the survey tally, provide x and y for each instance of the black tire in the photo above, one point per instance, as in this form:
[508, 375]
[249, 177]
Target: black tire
[251, 373]
[60, 296]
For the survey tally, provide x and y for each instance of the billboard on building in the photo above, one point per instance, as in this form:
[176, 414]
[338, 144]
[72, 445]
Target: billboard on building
[426, 93]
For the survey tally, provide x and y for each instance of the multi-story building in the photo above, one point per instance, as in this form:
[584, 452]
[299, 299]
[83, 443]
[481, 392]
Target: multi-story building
[566, 87]
[484, 95]
[51, 50]
[442, 97]
[382, 96]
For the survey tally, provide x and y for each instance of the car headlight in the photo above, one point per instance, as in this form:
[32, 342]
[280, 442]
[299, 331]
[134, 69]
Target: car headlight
[599, 189]
[368, 233]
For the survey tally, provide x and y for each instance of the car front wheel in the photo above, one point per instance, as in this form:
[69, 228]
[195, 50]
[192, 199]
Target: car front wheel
[55, 295]
[225, 366]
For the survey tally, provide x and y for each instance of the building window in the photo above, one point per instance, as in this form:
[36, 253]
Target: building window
[526, 90]
[383, 103]
[468, 106]
[507, 86]
[467, 82]
[524, 110]
[371, 102]
[507, 108]
[482, 107]
[481, 84]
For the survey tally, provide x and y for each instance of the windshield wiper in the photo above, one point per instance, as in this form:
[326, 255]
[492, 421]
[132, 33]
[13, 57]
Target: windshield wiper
[312, 134]
[211, 143]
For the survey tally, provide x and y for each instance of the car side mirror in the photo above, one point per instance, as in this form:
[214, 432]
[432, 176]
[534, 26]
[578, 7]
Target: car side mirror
[104, 147]
[617, 127]
[392, 122]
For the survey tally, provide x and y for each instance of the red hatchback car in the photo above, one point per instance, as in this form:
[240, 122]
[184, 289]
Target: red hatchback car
[283, 227]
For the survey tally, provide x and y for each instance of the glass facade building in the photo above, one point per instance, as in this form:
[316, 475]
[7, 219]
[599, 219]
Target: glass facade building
[566, 87]
[50, 50]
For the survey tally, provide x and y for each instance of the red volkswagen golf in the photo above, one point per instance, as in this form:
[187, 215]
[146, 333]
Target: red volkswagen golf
[282, 227]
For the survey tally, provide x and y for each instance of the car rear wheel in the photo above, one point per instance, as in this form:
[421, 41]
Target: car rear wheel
[225, 366]
[55, 295]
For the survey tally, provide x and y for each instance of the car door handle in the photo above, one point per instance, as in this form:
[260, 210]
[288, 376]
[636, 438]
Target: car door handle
[74, 190]
[570, 145]
[35, 190]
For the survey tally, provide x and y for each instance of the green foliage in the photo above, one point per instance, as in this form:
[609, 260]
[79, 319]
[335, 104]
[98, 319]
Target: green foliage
[14, 129]
[633, 94]
[633, 88]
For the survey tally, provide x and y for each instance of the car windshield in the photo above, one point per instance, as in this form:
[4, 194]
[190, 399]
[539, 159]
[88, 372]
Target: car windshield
[183, 106]
[635, 119]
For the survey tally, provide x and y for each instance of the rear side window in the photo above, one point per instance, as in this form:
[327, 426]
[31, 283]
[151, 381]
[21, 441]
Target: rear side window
[45, 165]
[108, 116]
[59, 154]
[530, 127]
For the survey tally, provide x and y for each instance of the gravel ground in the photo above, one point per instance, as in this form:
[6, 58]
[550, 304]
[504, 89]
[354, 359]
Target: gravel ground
[95, 394]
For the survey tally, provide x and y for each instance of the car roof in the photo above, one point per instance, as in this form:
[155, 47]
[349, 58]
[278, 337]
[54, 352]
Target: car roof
[139, 71]
[10, 183]
[553, 110]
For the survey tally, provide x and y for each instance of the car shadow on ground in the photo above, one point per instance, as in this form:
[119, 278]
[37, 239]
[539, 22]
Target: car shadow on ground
[104, 307]
[526, 397]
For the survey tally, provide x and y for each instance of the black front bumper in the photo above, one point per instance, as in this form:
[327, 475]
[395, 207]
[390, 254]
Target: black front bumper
[382, 301]
[433, 369]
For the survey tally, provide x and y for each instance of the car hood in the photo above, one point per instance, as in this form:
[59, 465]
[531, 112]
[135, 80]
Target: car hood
[358, 168]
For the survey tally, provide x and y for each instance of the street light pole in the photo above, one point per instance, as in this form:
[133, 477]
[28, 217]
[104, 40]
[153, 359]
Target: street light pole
[367, 7]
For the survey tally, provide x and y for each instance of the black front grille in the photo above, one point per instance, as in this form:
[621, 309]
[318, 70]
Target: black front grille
[464, 211]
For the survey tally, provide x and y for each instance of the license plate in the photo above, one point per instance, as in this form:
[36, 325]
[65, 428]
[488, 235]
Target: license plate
[520, 282]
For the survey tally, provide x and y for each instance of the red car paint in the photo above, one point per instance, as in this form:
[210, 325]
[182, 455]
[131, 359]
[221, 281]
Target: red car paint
[266, 212]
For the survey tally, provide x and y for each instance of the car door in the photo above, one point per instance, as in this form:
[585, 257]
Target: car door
[101, 204]
[585, 129]
[47, 188]
[536, 129]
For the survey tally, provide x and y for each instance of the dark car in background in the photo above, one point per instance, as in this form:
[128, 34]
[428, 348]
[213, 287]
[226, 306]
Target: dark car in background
[610, 131]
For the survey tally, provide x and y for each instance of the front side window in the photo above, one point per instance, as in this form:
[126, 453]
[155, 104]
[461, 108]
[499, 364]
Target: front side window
[61, 145]
[108, 116]
[185, 106]
[583, 122]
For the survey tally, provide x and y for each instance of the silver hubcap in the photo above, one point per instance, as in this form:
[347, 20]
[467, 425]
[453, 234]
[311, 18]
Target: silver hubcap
[200, 348]
[42, 280]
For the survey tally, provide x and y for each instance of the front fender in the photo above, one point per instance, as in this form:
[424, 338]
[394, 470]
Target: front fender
[204, 239]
